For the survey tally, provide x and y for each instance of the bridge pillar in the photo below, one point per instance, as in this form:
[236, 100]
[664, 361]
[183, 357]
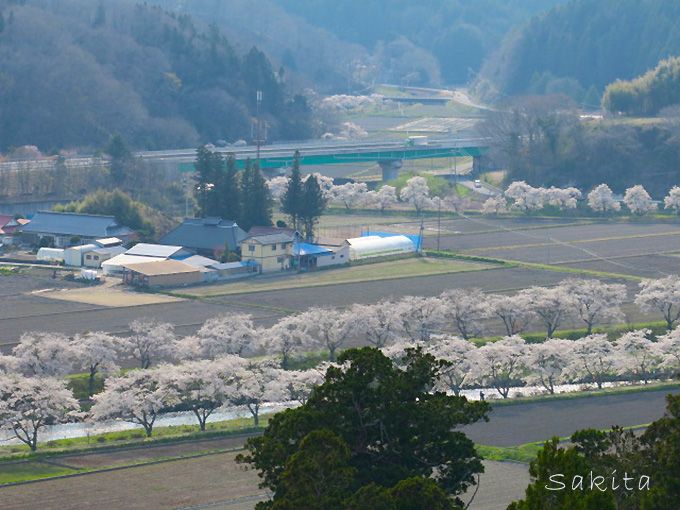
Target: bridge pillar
[476, 165]
[390, 169]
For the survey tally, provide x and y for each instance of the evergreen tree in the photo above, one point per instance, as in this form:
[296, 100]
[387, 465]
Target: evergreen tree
[207, 168]
[291, 202]
[257, 206]
[121, 159]
[228, 192]
[313, 206]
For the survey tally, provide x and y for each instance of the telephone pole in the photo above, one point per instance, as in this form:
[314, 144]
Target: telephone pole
[258, 124]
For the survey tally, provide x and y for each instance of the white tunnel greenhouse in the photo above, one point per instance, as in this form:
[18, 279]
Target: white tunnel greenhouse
[376, 246]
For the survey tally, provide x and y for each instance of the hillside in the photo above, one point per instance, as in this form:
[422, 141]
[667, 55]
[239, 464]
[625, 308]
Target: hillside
[582, 46]
[334, 45]
[74, 72]
[648, 94]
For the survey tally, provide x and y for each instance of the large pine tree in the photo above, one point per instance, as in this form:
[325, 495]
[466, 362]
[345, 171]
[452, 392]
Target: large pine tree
[228, 191]
[313, 205]
[291, 202]
[256, 201]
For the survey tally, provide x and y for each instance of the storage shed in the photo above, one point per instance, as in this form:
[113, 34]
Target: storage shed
[163, 273]
[74, 255]
[375, 246]
[116, 265]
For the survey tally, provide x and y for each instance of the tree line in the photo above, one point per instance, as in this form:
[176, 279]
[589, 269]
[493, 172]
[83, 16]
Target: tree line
[393, 326]
[158, 77]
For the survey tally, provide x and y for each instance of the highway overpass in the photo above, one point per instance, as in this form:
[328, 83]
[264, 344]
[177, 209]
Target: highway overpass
[389, 155]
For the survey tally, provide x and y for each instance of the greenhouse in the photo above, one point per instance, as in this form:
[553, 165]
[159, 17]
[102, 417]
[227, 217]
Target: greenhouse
[376, 246]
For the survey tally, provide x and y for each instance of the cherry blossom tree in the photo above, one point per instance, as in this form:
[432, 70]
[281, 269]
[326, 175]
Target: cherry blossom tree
[548, 363]
[150, 340]
[672, 200]
[465, 309]
[97, 353]
[219, 336]
[638, 200]
[515, 311]
[382, 198]
[378, 324]
[601, 199]
[495, 205]
[350, 194]
[596, 301]
[325, 183]
[300, 383]
[416, 193]
[662, 295]
[669, 348]
[328, 326]
[257, 384]
[595, 359]
[458, 354]
[552, 305]
[397, 351]
[525, 197]
[27, 404]
[288, 338]
[637, 356]
[43, 354]
[420, 316]
[563, 198]
[202, 386]
[277, 187]
[137, 397]
[500, 364]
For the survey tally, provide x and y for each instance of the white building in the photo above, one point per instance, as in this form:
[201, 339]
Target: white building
[361, 248]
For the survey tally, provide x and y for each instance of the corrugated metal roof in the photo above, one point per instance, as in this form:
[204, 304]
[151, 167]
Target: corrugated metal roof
[109, 241]
[300, 249]
[124, 258]
[161, 267]
[86, 225]
[200, 261]
[153, 250]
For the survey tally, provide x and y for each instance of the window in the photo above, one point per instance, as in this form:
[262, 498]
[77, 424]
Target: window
[96, 257]
[284, 246]
[88, 257]
[251, 248]
[274, 247]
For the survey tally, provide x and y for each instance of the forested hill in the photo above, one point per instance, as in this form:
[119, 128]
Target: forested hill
[334, 45]
[582, 46]
[457, 33]
[72, 72]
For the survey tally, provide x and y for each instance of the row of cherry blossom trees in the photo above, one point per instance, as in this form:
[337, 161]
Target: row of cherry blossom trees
[511, 362]
[527, 198]
[221, 364]
[416, 193]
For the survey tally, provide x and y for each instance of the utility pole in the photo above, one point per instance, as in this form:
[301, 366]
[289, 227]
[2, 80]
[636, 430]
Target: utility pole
[439, 222]
[258, 126]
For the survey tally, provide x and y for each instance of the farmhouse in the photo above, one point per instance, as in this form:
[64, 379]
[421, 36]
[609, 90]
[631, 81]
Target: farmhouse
[210, 237]
[270, 252]
[61, 229]
[142, 253]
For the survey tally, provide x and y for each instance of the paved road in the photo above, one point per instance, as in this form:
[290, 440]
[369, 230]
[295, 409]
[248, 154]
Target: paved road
[525, 423]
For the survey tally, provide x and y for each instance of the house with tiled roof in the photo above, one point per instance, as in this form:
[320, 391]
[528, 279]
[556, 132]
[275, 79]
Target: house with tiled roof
[210, 237]
[61, 228]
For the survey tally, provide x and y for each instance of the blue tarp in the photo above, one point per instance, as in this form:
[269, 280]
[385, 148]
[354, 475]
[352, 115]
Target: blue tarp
[415, 239]
[300, 249]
